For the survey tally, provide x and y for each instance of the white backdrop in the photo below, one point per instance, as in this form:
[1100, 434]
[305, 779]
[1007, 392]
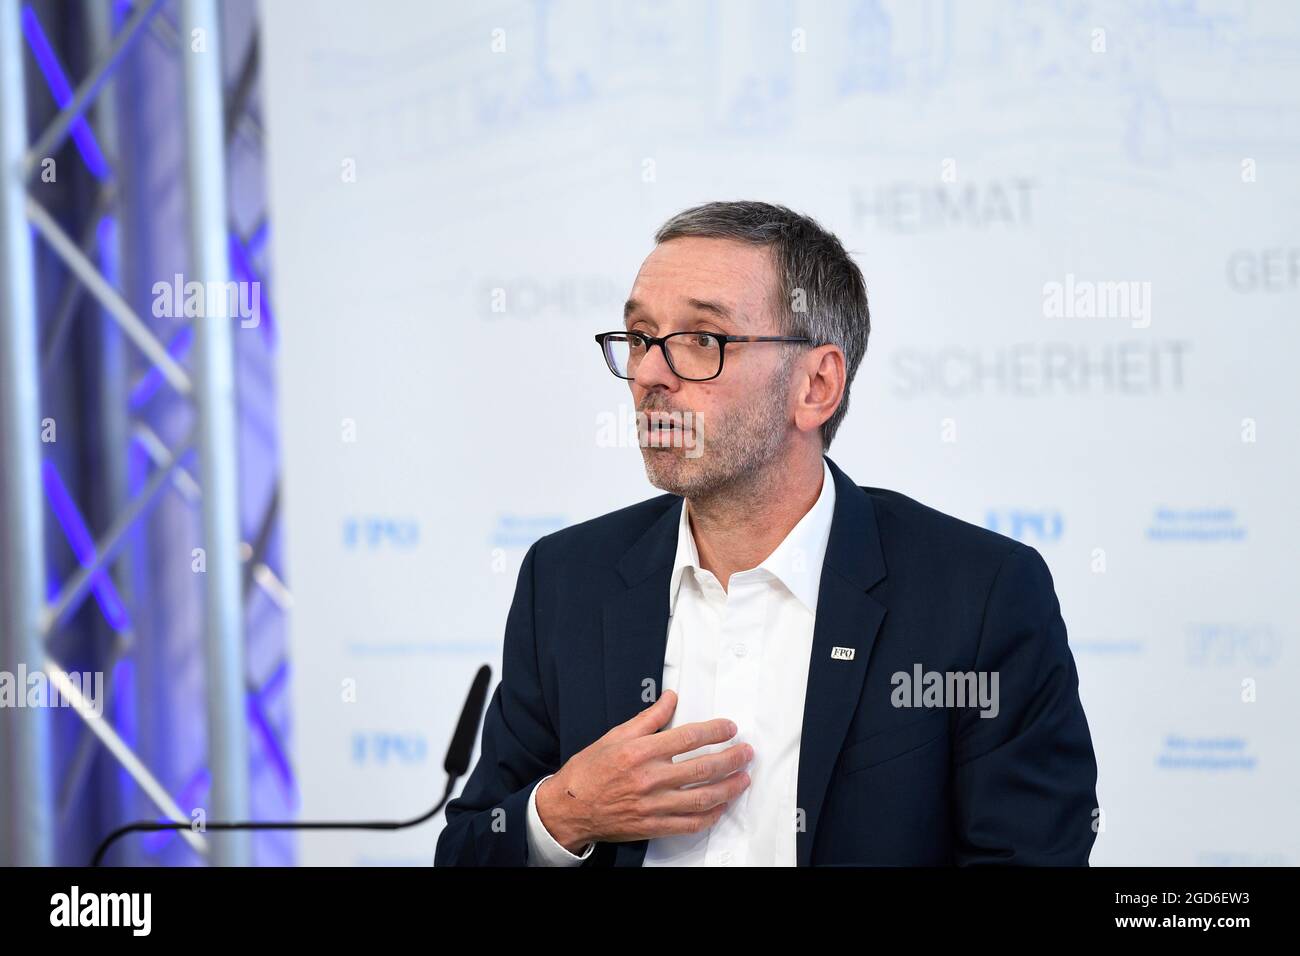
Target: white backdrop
[461, 197]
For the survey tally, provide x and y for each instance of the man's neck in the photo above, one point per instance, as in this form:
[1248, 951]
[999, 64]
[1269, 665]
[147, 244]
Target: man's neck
[738, 528]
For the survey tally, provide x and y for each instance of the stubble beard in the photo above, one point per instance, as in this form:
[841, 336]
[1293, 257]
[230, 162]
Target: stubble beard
[731, 453]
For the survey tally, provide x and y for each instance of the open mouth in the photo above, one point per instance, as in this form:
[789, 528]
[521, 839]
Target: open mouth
[661, 428]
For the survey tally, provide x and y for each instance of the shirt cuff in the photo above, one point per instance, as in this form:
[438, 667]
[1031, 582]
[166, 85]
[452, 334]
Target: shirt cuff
[542, 848]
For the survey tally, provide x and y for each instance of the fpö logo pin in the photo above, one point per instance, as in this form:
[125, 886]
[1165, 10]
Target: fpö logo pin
[842, 653]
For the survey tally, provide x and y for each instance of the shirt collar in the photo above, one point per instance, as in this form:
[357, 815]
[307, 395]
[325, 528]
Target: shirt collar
[797, 560]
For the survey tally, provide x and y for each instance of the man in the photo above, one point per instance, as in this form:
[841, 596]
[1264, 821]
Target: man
[768, 664]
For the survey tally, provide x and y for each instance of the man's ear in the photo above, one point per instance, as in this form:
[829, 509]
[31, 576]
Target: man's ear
[821, 377]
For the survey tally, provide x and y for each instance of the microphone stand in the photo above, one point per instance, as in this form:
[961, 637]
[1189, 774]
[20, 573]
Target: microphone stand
[153, 826]
[456, 765]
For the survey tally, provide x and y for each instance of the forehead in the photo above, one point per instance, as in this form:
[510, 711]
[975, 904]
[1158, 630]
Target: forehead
[680, 274]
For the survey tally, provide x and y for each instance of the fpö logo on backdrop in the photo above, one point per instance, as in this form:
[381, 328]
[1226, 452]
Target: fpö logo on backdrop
[380, 533]
[389, 748]
[1041, 369]
[1217, 644]
[1027, 525]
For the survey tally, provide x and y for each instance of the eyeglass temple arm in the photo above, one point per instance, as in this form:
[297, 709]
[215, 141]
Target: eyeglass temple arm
[765, 338]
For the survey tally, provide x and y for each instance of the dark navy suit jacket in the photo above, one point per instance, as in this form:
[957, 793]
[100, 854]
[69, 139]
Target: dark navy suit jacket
[902, 585]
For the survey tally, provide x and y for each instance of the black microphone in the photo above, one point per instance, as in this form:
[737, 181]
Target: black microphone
[456, 765]
[462, 741]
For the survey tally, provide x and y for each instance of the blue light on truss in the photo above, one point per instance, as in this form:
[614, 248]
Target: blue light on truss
[242, 264]
[274, 751]
[152, 379]
[258, 239]
[83, 545]
[106, 237]
[61, 90]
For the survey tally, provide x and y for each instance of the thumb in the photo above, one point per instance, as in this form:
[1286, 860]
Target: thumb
[651, 719]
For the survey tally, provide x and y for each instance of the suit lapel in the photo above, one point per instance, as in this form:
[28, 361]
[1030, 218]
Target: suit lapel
[847, 617]
[636, 636]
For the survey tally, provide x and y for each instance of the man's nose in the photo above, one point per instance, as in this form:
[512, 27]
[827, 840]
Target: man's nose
[653, 370]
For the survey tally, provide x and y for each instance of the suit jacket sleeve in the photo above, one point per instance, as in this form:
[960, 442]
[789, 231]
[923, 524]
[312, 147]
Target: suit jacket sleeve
[487, 823]
[1025, 780]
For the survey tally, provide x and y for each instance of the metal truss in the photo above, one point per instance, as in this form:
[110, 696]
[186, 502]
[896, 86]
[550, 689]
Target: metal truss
[234, 568]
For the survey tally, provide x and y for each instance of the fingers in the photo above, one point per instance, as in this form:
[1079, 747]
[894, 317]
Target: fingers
[670, 812]
[704, 768]
[690, 737]
[697, 800]
[661, 797]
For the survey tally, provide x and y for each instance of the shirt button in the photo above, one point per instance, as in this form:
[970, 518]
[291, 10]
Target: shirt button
[724, 857]
[739, 650]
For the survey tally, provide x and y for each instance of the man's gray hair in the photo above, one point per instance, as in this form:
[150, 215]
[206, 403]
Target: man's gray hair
[820, 289]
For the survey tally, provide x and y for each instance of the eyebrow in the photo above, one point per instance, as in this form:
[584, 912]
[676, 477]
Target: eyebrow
[700, 305]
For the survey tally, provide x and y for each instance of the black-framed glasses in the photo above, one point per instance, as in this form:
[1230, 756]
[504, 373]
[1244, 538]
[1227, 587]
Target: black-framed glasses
[692, 356]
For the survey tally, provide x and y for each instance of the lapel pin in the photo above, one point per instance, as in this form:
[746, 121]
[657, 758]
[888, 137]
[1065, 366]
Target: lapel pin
[842, 653]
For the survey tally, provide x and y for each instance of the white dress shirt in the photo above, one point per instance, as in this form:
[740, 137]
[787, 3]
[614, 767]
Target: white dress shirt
[743, 654]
